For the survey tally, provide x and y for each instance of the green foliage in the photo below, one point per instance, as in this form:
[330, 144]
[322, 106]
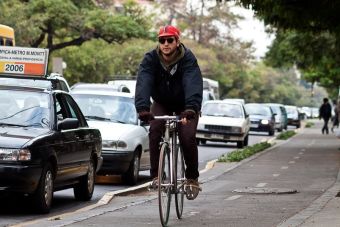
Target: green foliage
[127, 57]
[97, 61]
[309, 124]
[316, 55]
[56, 24]
[303, 15]
[240, 154]
[285, 135]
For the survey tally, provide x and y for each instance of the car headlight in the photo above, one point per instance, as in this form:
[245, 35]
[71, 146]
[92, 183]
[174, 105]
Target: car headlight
[15, 154]
[236, 130]
[264, 122]
[113, 144]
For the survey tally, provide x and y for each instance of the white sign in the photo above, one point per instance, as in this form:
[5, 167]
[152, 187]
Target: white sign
[23, 60]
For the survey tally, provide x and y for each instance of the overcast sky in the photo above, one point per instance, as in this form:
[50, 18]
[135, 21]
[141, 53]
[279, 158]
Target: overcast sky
[251, 29]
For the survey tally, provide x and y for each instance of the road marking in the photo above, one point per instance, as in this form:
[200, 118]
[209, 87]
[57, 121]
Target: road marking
[296, 157]
[276, 175]
[234, 197]
[261, 185]
[312, 143]
[284, 167]
[291, 162]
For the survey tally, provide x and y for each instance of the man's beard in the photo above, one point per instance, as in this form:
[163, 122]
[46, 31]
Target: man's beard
[170, 53]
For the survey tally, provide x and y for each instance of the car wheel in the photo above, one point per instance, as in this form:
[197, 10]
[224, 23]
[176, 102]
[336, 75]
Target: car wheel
[131, 176]
[43, 196]
[240, 144]
[84, 189]
[245, 143]
[271, 132]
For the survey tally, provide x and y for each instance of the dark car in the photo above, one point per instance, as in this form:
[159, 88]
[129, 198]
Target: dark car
[262, 118]
[45, 145]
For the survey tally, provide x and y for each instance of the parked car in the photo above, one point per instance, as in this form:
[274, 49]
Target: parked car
[236, 100]
[294, 117]
[262, 118]
[125, 141]
[223, 121]
[307, 111]
[46, 145]
[281, 120]
[54, 81]
[99, 86]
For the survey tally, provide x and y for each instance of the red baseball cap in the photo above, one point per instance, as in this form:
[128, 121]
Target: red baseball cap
[168, 30]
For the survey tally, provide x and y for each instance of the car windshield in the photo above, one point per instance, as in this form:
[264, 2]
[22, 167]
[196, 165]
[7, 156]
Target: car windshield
[24, 108]
[255, 109]
[107, 108]
[222, 109]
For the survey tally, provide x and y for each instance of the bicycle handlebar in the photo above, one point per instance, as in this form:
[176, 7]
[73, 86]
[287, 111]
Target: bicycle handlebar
[166, 117]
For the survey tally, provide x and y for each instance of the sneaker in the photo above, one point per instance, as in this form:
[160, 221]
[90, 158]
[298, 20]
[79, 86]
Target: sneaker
[154, 184]
[192, 188]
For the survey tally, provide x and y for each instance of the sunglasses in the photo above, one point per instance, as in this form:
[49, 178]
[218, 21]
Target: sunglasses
[169, 40]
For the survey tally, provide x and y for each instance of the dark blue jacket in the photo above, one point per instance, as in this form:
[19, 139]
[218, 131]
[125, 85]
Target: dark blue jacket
[177, 89]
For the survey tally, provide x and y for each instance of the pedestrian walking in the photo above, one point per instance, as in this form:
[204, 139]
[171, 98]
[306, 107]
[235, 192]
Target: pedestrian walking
[325, 112]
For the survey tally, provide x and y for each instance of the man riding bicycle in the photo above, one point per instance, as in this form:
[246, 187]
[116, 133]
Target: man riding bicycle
[170, 75]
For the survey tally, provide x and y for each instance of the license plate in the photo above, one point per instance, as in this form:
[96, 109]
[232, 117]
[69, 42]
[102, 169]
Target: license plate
[216, 136]
[253, 126]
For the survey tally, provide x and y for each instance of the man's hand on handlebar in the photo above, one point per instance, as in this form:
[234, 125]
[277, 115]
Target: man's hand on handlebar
[187, 115]
[145, 116]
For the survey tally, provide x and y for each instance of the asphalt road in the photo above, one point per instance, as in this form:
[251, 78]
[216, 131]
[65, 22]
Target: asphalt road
[17, 209]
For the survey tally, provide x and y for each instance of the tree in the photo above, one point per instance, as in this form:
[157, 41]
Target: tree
[308, 35]
[316, 55]
[302, 15]
[56, 24]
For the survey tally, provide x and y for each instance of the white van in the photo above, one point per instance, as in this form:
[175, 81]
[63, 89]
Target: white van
[130, 84]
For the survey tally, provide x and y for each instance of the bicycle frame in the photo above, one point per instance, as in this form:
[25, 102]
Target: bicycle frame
[172, 142]
[171, 153]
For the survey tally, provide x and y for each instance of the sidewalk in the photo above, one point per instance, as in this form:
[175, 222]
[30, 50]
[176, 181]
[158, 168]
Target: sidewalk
[308, 162]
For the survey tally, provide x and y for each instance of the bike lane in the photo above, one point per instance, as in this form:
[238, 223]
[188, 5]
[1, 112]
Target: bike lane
[284, 185]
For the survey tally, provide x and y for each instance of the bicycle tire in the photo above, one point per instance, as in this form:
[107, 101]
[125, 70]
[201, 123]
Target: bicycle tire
[164, 187]
[180, 177]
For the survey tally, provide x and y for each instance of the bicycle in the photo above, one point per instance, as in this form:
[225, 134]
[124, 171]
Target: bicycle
[171, 170]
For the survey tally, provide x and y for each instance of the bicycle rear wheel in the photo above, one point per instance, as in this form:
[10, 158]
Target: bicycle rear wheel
[164, 184]
[180, 172]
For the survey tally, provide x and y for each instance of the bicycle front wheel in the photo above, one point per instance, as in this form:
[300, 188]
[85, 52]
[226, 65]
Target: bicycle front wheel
[180, 172]
[164, 184]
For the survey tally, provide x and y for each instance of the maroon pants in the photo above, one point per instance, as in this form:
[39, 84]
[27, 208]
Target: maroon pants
[187, 138]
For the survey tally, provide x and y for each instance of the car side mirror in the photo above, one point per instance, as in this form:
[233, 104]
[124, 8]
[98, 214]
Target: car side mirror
[68, 123]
